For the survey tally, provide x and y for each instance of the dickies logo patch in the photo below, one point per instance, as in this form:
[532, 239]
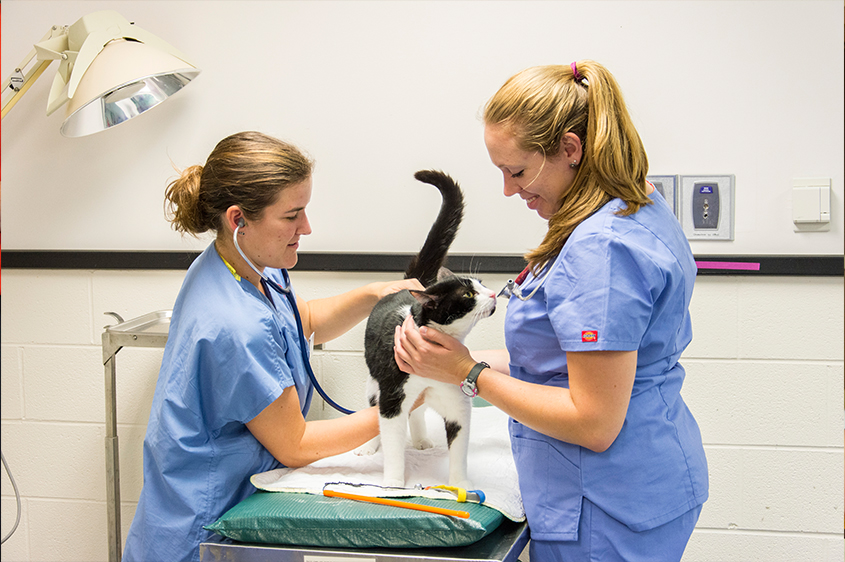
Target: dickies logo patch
[589, 336]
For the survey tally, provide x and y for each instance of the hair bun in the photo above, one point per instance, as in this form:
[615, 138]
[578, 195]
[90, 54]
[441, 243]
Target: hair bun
[182, 201]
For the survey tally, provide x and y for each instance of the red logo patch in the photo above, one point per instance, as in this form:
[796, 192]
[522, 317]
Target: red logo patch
[590, 336]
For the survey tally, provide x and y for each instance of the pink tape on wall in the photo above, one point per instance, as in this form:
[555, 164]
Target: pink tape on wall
[731, 265]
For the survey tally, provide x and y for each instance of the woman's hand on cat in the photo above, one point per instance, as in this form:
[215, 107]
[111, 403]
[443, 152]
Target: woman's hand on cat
[427, 353]
[390, 287]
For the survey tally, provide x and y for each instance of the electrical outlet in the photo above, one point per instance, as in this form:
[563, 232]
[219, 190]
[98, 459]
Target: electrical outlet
[667, 186]
[706, 207]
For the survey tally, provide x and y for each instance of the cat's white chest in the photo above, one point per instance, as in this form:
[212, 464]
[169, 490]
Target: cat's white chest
[416, 385]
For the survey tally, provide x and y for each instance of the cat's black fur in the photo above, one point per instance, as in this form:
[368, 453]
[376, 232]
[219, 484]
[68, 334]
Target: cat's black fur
[449, 303]
[425, 266]
[441, 303]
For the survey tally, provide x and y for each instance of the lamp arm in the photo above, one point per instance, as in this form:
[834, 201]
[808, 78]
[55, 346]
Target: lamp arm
[25, 81]
[29, 80]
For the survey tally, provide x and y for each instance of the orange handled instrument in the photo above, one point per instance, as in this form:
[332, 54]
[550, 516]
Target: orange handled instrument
[396, 503]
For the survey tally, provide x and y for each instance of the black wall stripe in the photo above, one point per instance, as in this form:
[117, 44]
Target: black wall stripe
[746, 266]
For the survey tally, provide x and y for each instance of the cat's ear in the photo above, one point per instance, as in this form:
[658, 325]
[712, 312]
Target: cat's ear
[443, 273]
[424, 298]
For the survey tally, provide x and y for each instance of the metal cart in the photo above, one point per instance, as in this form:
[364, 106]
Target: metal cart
[149, 330]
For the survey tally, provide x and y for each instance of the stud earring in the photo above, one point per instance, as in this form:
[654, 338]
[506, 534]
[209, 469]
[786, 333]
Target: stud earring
[573, 164]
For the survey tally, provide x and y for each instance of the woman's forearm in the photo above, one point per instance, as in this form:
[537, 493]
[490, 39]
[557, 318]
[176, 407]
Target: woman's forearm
[330, 317]
[325, 438]
[498, 359]
[294, 442]
[589, 413]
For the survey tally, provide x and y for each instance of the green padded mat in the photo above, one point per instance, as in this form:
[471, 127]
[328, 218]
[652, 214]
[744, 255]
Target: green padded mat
[311, 520]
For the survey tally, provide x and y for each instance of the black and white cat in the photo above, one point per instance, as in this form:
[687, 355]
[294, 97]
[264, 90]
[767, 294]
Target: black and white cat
[451, 304]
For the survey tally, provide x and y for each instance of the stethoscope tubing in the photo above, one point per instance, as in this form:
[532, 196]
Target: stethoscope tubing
[304, 347]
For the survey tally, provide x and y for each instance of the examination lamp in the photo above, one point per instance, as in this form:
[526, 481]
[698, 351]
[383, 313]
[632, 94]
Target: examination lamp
[110, 72]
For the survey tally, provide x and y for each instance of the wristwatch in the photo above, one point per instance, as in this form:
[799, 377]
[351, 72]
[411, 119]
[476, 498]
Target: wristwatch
[468, 385]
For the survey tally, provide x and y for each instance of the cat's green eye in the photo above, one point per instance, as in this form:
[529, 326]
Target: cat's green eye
[469, 295]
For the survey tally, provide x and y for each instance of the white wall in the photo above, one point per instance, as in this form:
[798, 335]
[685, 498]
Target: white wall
[744, 87]
[765, 382]
[377, 90]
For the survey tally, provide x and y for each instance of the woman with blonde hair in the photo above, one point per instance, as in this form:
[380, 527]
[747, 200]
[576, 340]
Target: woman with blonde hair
[610, 459]
[233, 390]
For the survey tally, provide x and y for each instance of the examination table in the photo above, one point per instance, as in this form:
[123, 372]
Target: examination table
[505, 543]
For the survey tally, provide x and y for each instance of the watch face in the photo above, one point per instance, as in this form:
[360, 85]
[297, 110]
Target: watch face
[469, 388]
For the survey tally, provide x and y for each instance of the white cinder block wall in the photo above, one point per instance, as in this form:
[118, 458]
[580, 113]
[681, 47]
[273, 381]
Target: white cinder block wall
[765, 381]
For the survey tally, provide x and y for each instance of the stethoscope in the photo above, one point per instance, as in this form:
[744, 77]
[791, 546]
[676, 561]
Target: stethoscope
[304, 345]
[512, 287]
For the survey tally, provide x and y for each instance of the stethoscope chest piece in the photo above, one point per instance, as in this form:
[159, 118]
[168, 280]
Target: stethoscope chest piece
[507, 290]
[512, 287]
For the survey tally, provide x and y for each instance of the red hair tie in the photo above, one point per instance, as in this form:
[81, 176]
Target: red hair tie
[575, 72]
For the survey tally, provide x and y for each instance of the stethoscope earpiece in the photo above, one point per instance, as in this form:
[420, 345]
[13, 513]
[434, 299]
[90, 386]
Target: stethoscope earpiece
[252, 265]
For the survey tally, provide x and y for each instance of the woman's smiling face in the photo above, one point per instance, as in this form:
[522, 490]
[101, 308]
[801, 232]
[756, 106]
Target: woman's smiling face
[539, 180]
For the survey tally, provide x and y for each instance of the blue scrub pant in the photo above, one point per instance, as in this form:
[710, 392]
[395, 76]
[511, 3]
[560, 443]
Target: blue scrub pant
[603, 538]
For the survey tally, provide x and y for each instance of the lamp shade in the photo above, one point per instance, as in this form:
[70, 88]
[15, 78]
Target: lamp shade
[125, 79]
[110, 71]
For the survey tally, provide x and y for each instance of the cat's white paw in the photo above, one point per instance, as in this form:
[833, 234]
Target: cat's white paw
[368, 448]
[393, 483]
[423, 444]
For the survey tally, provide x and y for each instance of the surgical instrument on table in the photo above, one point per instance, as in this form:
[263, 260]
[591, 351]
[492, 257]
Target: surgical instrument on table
[397, 503]
[461, 494]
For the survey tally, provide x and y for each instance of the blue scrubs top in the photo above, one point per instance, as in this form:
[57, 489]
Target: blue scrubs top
[619, 283]
[229, 355]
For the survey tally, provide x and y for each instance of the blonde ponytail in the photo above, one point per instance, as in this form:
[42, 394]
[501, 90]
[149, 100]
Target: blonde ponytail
[540, 105]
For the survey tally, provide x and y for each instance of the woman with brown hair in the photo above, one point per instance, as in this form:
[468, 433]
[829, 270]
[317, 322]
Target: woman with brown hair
[233, 390]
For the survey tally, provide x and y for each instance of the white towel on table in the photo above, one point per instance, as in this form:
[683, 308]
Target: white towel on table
[490, 467]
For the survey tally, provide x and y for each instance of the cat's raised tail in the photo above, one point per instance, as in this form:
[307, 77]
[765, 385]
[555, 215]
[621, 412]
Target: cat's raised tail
[432, 255]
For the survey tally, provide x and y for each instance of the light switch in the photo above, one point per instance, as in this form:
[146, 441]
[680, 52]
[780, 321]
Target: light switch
[811, 204]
